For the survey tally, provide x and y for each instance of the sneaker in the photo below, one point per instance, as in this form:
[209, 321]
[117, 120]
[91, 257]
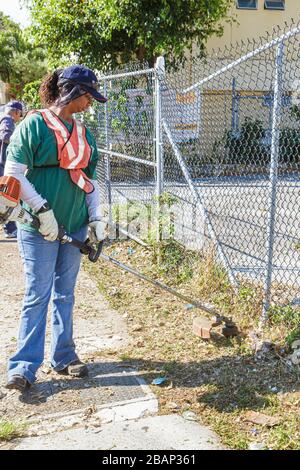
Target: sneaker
[11, 235]
[18, 382]
[75, 369]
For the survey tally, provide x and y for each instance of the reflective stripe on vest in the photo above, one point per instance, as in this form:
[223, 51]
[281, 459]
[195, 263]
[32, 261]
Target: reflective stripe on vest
[73, 149]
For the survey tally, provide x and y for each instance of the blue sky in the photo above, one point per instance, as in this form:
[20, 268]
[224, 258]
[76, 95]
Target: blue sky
[13, 9]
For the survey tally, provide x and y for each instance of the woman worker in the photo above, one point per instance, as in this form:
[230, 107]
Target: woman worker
[54, 156]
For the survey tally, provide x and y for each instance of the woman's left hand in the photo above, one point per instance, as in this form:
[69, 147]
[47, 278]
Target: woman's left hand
[97, 230]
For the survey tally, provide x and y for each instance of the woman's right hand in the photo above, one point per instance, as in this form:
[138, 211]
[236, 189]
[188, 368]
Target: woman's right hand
[49, 225]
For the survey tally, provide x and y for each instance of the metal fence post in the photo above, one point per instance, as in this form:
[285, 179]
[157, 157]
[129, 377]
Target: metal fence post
[159, 72]
[276, 119]
[107, 161]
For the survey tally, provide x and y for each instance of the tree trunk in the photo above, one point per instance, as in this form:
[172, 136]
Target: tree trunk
[141, 53]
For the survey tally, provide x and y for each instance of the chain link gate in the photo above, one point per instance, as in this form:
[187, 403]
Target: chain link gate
[127, 128]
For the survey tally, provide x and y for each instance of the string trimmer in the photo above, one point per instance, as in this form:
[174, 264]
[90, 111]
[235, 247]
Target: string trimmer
[10, 209]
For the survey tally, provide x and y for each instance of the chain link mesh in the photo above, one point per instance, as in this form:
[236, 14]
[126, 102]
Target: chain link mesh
[226, 142]
[230, 163]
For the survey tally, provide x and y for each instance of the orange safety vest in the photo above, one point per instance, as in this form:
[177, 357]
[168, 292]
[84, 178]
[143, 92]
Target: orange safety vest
[73, 149]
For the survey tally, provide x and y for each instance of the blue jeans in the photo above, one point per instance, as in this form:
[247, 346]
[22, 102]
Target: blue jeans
[50, 267]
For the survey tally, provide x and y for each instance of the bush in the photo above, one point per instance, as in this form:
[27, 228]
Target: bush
[289, 146]
[247, 147]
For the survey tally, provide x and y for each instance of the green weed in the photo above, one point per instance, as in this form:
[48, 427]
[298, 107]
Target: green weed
[9, 430]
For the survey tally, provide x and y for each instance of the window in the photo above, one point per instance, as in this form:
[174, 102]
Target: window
[247, 4]
[274, 4]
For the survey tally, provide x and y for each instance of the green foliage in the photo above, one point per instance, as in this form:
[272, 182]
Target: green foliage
[289, 146]
[171, 253]
[9, 430]
[11, 42]
[289, 317]
[164, 218]
[295, 112]
[292, 336]
[246, 294]
[250, 147]
[31, 95]
[284, 315]
[128, 116]
[172, 258]
[27, 68]
[167, 199]
[247, 147]
[20, 61]
[102, 33]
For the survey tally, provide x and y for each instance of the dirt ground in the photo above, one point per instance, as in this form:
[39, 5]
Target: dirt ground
[249, 397]
[96, 328]
[245, 388]
[110, 408]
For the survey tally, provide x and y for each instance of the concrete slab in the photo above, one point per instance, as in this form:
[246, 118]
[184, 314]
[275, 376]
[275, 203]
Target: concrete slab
[111, 393]
[170, 432]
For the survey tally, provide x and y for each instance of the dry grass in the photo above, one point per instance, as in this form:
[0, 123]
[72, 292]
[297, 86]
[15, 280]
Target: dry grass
[219, 380]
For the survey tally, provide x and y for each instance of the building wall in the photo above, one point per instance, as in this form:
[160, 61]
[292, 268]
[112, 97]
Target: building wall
[254, 23]
[253, 78]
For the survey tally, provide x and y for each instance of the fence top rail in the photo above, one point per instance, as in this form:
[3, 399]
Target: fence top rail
[126, 74]
[269, 45]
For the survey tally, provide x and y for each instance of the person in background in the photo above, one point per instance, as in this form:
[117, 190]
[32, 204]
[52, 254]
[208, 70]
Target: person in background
[54, 156]
[12, 114]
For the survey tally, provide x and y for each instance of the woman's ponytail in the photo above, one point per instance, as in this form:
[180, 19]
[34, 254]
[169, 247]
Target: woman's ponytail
[49, 90]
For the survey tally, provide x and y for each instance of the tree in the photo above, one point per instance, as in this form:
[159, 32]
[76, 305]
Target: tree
[10, 44]
[101, 33]
[28, 66]
[21, 62]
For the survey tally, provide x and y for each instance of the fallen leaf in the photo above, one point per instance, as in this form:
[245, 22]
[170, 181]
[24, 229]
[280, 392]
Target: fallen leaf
[262, 419]
[189, 416]
[172, 405]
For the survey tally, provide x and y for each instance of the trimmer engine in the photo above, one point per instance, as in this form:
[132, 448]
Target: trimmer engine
[10, 207]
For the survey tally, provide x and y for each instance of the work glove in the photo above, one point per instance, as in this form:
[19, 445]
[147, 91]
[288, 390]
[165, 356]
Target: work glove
[49, 226]
[97, 230]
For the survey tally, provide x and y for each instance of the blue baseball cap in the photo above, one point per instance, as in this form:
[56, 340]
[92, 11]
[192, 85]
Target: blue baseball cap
[84, 77]
[15, 105]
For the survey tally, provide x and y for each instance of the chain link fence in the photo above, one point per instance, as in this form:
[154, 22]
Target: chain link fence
[220, 138]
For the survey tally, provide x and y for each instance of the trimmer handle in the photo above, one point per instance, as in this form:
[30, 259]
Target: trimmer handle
[35, 222]
[94, 254]
[87, 249]
[63, 237]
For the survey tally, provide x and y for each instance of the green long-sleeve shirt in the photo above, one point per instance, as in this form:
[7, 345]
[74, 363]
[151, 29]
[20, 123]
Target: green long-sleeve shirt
[34, 145]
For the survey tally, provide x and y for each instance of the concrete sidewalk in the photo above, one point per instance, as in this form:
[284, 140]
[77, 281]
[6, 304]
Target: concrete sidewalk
[113, 409]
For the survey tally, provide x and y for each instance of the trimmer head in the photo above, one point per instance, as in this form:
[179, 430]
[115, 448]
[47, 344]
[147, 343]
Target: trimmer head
[202, 326]
[230, 329]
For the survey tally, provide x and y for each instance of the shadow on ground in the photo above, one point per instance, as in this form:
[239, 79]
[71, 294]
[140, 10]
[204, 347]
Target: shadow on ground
[226, 384]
